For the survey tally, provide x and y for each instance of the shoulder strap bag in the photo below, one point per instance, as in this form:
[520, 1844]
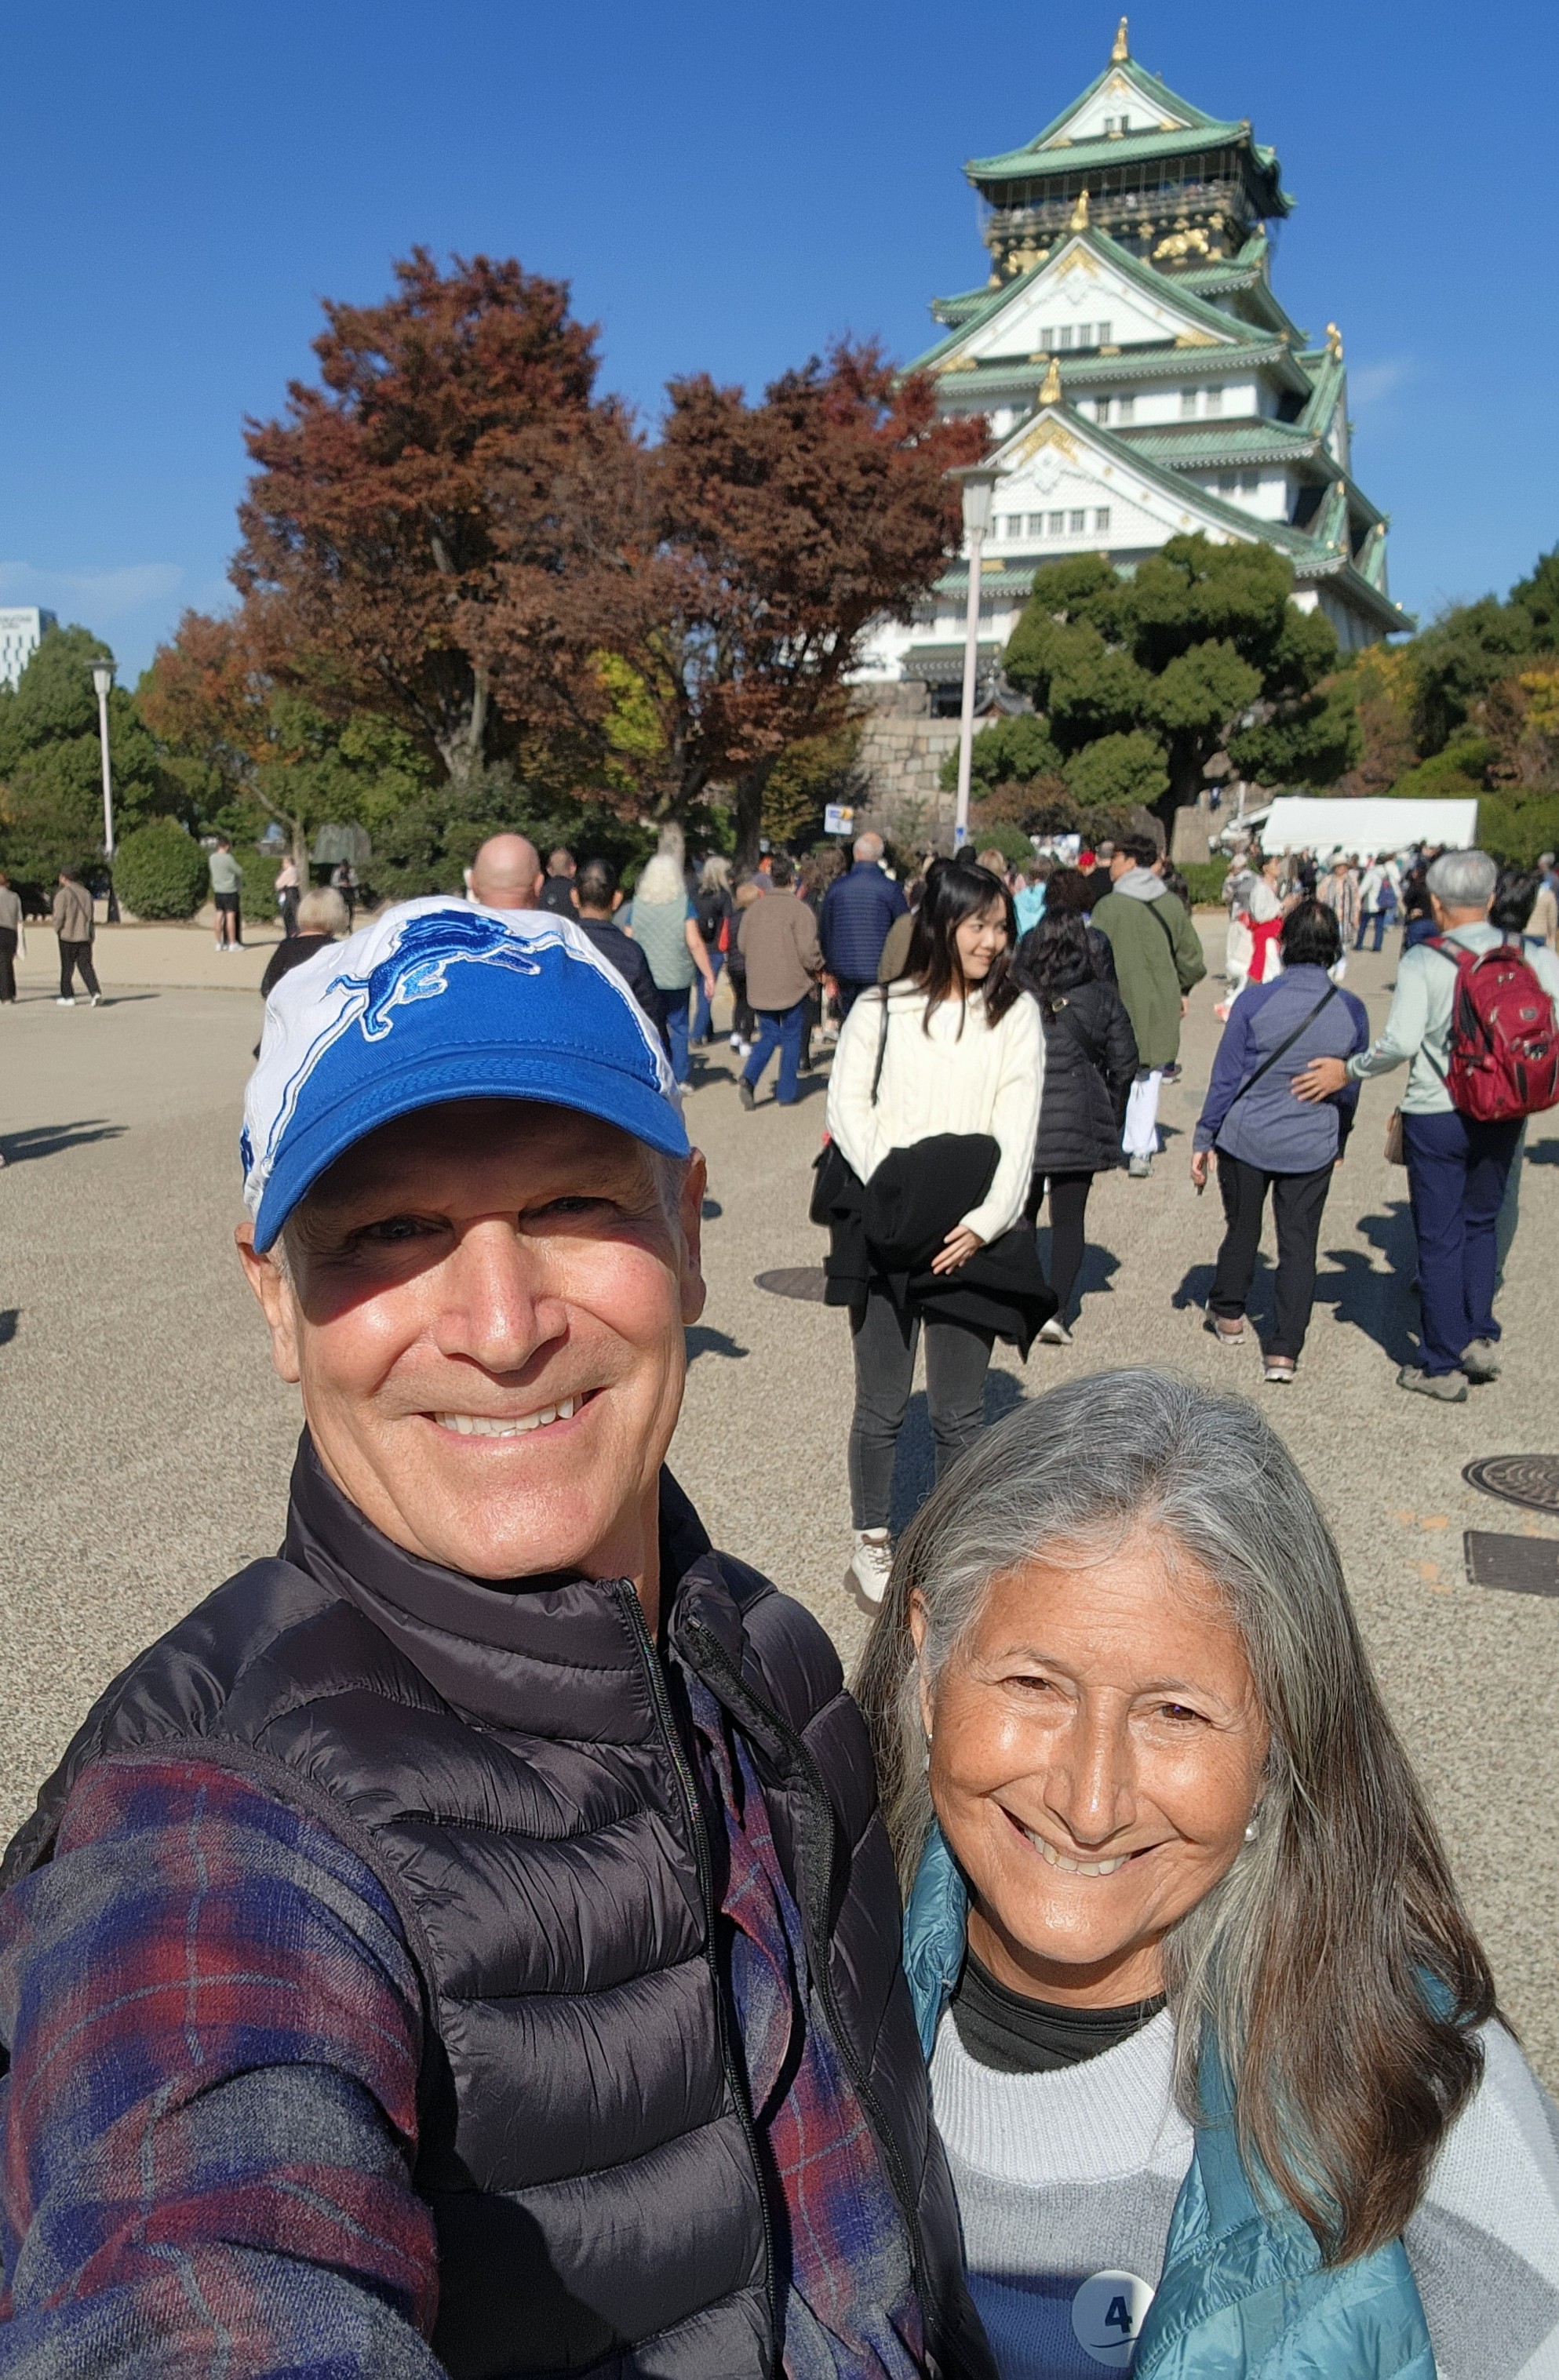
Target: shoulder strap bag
[831, 1171]
[1282, 1048]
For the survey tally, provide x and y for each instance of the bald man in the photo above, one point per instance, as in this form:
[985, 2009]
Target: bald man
[507, 873]
[857, 910]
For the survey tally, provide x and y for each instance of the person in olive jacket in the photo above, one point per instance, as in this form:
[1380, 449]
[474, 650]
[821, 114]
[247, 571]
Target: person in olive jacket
[1158, 958]
[1091, 1063]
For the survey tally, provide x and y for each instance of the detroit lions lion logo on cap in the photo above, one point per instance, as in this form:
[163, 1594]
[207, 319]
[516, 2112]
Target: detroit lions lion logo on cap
[441, 1000]
[415, 967]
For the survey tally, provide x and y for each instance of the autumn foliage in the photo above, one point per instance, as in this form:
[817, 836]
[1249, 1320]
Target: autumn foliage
[452, 530]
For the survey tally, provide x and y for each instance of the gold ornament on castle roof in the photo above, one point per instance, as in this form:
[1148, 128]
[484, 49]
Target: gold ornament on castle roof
[1080, 213]
[1122, 50]
[1334, 342]
[1050, 387]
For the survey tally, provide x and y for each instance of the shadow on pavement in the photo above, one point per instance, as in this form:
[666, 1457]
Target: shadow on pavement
[1378, 1304]
[9, 1316]
[1195, 1290]
[49, 1139]
[702, 1341]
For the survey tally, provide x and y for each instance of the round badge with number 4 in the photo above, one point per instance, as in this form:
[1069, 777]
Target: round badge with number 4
[1107, 2313]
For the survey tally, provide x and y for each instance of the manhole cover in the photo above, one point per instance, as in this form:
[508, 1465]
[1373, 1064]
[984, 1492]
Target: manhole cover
[1519, 1565]
[805, 1281]
[1529, 1479]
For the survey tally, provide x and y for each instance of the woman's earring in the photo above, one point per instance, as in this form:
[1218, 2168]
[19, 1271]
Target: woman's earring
[1250, 1832]
[928, 1753]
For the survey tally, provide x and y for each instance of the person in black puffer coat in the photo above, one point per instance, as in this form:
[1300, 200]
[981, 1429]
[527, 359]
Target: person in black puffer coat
[1091, 1061]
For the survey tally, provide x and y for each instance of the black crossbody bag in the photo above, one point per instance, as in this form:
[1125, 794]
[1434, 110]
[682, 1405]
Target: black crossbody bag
[832, 1170]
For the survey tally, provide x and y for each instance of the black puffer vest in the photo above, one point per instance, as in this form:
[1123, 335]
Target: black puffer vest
[510, 1764]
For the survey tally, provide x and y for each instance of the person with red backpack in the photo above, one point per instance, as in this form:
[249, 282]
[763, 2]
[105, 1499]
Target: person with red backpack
[1478, 1018]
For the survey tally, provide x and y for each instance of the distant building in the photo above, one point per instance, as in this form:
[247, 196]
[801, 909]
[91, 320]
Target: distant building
[1140, 379]
[22, 630]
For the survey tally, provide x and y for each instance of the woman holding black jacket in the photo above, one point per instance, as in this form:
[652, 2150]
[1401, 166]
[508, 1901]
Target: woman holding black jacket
[1091, 1063]
[932, 1103]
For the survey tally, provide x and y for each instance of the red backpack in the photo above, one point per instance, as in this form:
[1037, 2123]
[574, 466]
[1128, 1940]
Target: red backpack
[1504, 1048]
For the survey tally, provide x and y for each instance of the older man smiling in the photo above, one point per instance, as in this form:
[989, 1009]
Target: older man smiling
[467, 1942]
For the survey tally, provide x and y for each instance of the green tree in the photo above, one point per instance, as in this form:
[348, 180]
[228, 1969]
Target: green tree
[51, 766]
[1140, 682]
[1009, 752]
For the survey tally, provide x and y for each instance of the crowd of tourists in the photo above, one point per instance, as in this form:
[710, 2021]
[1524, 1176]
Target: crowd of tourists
[468, 1943]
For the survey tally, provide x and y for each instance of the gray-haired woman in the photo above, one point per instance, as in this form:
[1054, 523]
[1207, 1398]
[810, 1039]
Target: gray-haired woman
[1213, 2048]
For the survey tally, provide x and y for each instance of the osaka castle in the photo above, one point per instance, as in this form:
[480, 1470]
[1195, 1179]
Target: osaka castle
[1139, 376]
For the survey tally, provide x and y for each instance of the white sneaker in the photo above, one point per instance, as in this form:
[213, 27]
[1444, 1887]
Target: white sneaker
[737, 1042]
[62, 1002]
[96, 1000]
[1055, 1332]
[871, 1563]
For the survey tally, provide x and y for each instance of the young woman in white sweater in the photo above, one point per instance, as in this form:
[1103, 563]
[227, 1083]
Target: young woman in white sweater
[962, 1051]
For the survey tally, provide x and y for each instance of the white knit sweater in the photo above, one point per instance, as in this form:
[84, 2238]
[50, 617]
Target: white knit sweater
[1066, 2181]
[985, 1078]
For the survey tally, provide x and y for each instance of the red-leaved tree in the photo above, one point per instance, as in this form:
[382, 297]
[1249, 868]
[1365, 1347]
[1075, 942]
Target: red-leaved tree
[782, 530]
[416, 537]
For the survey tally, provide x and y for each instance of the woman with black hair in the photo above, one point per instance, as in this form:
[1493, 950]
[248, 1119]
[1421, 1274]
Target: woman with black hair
[1090, 1064]
[1266, 1138]
[952, 1052]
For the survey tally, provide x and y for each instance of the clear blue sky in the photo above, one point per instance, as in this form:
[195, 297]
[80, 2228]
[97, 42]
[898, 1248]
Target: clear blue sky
[726, 187]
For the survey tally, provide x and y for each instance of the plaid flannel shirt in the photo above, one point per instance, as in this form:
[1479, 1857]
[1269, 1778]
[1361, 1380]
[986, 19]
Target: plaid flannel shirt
[208, 2130]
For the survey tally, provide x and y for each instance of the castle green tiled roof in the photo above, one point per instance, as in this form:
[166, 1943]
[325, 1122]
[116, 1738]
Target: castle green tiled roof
[982, 307]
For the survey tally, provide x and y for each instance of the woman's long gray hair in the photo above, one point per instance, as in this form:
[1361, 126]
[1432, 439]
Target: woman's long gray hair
[1332, 1964]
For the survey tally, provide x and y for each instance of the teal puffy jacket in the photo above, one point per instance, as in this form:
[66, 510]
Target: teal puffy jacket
[1244, 2294]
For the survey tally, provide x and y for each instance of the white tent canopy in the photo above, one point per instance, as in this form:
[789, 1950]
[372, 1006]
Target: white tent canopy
[1299, 822]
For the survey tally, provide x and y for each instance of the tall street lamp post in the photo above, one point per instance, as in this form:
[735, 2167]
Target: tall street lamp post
[103, 678]
[979, 484]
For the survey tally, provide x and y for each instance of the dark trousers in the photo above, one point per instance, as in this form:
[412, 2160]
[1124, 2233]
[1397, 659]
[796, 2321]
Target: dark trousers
[957, 1359]
[744, 1016]
[8, 963]
[781, 1030]
[1068, 1208]
[74, 955]
[1297, 1199]
[1368, 918]
[288, 901]
[1456, 1173]
[850, 991]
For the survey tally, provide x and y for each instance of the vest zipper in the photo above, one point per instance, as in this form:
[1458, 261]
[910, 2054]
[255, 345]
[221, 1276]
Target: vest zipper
[688, 1791]
[738, 1693]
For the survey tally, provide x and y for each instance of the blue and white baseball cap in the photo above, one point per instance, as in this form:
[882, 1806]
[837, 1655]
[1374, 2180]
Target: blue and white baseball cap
[436, 1001]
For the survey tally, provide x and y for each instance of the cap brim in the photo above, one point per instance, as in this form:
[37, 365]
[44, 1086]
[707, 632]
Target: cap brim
[583, 1084]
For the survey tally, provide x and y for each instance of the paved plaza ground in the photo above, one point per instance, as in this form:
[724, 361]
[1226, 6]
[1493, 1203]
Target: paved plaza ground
[144, 1441]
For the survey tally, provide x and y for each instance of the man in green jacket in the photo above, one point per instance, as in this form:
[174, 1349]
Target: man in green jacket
[1158, 958]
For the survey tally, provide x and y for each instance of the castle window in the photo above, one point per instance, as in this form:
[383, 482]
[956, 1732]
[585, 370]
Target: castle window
[1102, 516]
[1080, 522]
[1250, 482]
[1214, 400]
[1036, 524]
[1127, 408]
[1085, 335]
[1047, 339]
[1227, 483]
[1057, 524]
[1105, 330]
[1188, 404]
[1101, 408]
[1015, 525]
[1063, 335]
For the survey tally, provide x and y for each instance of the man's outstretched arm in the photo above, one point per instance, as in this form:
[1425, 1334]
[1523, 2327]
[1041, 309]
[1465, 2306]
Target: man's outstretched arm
[209, 2123]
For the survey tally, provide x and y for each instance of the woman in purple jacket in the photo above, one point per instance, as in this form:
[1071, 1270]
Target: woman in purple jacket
[1265, 1137]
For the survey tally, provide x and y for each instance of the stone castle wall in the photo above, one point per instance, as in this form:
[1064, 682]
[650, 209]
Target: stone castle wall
[902, 750]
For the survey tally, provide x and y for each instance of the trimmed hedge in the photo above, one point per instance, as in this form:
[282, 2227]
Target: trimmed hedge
[160, 872]
[1205, 877]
